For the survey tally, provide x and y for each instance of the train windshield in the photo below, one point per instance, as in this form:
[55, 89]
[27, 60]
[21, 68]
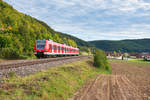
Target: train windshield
[40, 44]
[40, 47]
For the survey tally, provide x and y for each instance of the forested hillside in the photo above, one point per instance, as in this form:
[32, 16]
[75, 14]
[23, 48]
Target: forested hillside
[18, 33]
[137, 45]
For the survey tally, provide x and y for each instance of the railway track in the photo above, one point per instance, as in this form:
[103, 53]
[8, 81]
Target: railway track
[34, 62]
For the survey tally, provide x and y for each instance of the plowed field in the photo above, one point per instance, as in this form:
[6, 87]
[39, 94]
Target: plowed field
[128, 81]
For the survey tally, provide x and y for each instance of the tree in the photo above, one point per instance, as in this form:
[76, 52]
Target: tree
[4, 42]
[125, 55]
[100, 60]
[115, 53]
[57, 38]
[72, 43]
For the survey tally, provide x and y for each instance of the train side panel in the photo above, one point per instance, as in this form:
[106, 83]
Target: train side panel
[46, 48]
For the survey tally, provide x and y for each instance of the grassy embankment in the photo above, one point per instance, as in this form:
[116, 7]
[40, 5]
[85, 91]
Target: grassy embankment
[58, 83]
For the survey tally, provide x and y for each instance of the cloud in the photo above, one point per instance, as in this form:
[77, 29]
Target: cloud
[92, 19]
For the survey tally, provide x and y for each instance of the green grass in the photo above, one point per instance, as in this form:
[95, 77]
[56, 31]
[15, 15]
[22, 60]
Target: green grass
[137, 62]
[58, 83]
[84, 54]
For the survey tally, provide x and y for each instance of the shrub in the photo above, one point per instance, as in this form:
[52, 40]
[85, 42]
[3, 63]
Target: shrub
[12, 74]
[100, 60]
[9, 53]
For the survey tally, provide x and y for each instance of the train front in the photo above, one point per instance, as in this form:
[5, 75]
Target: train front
[40, 48]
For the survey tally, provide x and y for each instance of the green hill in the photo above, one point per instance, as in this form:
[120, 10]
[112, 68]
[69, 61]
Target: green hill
[19, 31]
[135, 45]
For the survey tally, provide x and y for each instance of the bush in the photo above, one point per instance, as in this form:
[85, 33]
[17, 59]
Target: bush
[100, 60]
[12, 74]
[9, 53]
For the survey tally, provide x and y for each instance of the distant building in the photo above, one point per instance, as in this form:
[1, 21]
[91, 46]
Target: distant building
[114, 55]
[129, 55]
[147, 58]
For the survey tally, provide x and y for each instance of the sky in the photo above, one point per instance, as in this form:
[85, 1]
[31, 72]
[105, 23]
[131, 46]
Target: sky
[91, 19]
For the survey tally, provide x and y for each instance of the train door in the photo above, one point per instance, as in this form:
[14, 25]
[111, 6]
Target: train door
[65, 50]
[55, 49]
[62, 49]
[70, 50]
[59, 49]
[50, 48]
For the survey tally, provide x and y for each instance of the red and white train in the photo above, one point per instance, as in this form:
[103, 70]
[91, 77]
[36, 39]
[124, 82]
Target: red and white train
[49, 48]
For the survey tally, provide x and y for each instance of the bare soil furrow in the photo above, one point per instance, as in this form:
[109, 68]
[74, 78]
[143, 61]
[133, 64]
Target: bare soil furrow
[101, 89]
[129, 91]
[114, 89]
[121, 93]
[86, 89]
[110, 87]
[128, 81]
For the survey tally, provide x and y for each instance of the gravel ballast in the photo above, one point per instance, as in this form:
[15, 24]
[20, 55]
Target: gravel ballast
[31, 69]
